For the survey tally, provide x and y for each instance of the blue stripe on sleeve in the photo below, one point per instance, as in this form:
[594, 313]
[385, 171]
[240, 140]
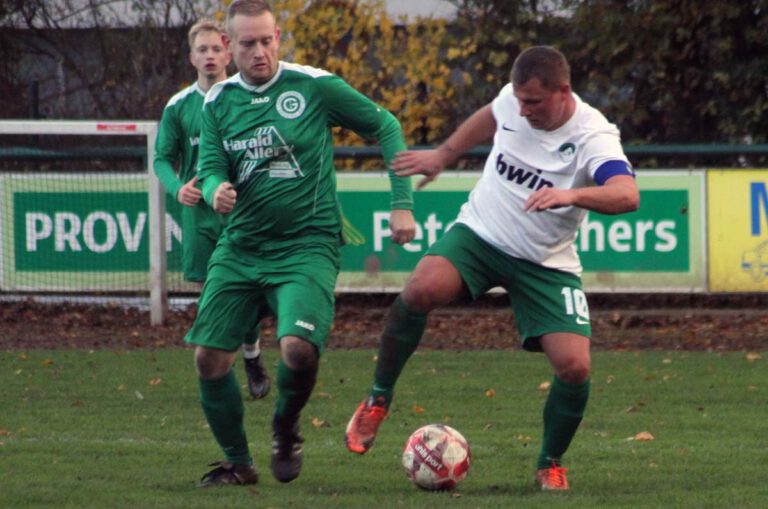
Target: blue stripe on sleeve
[610, 169]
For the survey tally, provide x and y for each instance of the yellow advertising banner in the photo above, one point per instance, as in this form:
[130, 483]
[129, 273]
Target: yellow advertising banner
[737, 211]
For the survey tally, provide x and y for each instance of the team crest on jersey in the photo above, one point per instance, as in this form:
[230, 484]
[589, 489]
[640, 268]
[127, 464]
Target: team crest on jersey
[291, 104]
[567, 151]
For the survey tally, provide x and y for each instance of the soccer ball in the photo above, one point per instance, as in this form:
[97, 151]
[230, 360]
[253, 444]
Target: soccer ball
[436, 457]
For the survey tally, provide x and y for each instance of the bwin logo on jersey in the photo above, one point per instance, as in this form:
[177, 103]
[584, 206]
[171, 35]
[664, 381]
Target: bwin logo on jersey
[567, 151]
[291, 104]
[521, 176]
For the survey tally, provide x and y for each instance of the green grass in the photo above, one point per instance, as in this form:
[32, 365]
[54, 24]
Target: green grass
[111, 429]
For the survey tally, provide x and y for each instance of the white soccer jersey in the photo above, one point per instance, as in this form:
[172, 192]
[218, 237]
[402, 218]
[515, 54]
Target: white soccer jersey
[523, 160]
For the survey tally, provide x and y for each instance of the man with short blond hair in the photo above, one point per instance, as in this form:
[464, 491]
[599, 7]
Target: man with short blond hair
[176, 151]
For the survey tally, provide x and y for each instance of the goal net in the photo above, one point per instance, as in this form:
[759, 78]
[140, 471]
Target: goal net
[80, 213]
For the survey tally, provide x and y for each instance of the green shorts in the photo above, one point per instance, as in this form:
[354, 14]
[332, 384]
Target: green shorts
[544, 300]
[201, 227]
[298, 289]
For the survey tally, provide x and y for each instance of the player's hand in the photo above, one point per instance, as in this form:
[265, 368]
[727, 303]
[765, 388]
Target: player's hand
[403, 226]
[422, 162]
[189, 195]
[549, 198]
[224, 198]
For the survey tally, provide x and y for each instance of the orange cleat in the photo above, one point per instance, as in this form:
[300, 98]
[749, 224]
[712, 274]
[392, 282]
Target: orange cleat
[362, 427]
[552, 478]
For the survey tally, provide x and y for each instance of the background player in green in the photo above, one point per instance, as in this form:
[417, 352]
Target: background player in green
[176, 147]
[266, 159]
[553, 158]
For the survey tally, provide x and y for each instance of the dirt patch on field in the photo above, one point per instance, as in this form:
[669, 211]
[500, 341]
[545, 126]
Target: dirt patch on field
[626, 322]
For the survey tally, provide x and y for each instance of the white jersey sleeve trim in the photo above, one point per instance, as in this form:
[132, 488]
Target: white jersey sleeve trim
[216, 89]
[313, 72]
[181, 94]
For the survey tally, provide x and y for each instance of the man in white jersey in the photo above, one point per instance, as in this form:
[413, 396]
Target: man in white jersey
[176, 148]
[554, 157]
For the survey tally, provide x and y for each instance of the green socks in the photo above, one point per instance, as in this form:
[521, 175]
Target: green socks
[294, 389]
[563, 412]
[401, 336]
[223, 408]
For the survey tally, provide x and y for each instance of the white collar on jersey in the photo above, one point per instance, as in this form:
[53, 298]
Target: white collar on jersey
[261, 88]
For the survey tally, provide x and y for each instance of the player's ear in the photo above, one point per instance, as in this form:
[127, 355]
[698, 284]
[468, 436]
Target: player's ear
[277, 34]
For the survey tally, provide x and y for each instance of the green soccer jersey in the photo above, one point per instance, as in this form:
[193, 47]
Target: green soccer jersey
[176, 147]
[273, 142]
[178, 138]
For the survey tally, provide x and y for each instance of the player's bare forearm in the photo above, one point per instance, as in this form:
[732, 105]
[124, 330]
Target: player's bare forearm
[475, 130]
[619, 195]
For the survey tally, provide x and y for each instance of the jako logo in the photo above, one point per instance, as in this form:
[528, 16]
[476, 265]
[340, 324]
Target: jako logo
[260, 100]
[305, 325]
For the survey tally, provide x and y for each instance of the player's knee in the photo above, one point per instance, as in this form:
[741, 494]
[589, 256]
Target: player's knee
[419, 297]
[212, 364]
[575, 371]
[298, 354]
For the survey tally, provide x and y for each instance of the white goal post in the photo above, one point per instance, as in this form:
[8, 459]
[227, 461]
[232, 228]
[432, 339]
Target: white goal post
[158, 289]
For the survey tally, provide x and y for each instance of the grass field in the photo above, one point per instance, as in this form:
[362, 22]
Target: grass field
[108, 429]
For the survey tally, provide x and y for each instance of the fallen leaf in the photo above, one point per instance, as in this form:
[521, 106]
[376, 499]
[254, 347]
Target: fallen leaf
[324, 395]
[47, 362]
[667, 361]
[416, 409]
[318, 423]
[490, 393]
[121, 387]
[139, 395]
[609, 379]
[77, 403]
[23, 356]
[643, 436]
[4, 432]
[753, 356]
[544, 386]
[155, 381]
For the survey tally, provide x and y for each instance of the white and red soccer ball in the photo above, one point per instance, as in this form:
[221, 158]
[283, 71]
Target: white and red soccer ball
[436, 457]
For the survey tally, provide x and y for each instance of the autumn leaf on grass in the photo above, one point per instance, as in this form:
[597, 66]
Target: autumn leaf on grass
[47, 362]
[753, 356]
[319, 423]
[23, 356]
[155, 381]
[416, 409]
[4, 432]
[490, 393]
[544, 386]
[643, 436]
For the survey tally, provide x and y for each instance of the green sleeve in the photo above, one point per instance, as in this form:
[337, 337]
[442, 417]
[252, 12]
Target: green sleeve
[168, 151]
[212, 161]
[350, 109]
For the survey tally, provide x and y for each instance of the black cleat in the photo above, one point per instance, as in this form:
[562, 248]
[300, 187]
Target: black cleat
[227, 473]
[286, 449]
[258, 380]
